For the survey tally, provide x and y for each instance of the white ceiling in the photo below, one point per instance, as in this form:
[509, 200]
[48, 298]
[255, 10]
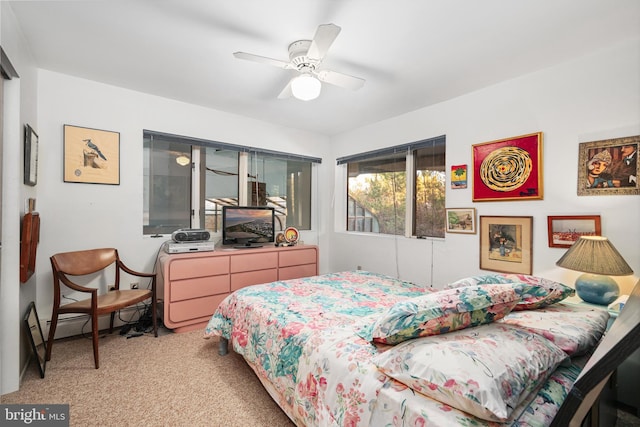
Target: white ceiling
[412, 53]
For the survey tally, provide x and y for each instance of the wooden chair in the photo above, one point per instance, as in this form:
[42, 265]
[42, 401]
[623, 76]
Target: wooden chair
[92, 261]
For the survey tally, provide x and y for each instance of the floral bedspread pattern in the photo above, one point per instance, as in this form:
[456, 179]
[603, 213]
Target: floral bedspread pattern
[320, 371]
[272, 339]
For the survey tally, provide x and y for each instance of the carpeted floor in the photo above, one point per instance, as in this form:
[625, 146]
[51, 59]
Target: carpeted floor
[172, 380]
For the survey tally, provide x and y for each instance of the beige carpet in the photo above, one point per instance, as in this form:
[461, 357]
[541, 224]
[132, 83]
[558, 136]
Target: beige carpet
[172, 380]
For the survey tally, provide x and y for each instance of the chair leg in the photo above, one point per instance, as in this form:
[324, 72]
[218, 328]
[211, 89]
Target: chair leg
[154, 315]
[113, 316]
[52, 333]
[95, 333]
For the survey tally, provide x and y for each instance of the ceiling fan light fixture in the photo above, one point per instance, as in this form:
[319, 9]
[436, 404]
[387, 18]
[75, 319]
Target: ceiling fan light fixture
[183, 160]
[306, 87]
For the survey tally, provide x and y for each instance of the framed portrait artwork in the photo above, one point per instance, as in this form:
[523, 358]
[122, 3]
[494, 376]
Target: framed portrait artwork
[30, 156]
[565, 230]
[461, 220]
[609, 167]
[508, 169]
[91, 155]
[506, 244]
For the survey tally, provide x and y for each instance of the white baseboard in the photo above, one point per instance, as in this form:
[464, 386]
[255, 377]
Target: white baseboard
[72, 325]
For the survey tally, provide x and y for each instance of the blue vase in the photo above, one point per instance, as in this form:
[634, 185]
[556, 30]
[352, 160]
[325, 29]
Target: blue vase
[597, 289]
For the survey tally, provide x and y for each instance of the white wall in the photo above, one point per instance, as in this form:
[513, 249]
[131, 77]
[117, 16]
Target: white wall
[77, 216]
[593, 98]
[20, 99]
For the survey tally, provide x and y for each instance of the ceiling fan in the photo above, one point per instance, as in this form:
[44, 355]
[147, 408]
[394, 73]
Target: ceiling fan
[305, 56]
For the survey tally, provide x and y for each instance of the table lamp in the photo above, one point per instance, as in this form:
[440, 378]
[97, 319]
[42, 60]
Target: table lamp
[598, 259]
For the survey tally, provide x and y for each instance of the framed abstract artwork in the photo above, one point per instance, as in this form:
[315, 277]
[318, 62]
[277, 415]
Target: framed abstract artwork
[565, 230]
[506, 244]
[508, 169]
[609, 167]
[91, 155]
[461, 220]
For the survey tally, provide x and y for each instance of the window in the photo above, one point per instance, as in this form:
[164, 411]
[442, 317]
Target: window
[398, 190]
[187, 181]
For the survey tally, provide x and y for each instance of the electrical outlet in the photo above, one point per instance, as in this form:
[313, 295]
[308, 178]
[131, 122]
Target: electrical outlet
[134, 285]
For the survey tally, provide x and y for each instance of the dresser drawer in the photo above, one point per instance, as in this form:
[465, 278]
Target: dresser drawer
[247, 278]
[295, 272]
[180, 313]
[198, 267]
[297, 257]
[251, 262]
[200, 287]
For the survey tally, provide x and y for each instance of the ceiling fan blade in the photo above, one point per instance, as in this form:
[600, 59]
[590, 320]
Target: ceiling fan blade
[322, 41]
[263, 60]
[286, 92]
[340, 79]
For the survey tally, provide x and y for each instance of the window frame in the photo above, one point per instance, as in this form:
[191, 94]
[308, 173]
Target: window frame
[194, 145]
[411, 170]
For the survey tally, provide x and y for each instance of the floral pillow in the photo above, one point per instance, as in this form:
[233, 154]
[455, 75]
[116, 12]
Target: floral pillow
[485, 371]
[537, 292]
[443, 311]
[555, 291]
[573, 328]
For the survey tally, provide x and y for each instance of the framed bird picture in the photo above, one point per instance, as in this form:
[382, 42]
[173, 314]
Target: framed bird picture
[91, 156]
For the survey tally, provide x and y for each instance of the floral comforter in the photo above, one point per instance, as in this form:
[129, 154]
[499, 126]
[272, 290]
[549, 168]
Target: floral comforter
[301, 338]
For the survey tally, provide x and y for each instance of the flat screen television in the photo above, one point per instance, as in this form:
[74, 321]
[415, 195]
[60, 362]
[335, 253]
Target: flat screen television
[248, 226]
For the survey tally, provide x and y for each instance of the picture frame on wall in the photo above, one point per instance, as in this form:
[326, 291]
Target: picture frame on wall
[30, 156]
[565, 230]
[508, 169]
[609, 167]
[506, 244]
[91, 156]
[458, 177]
[461, 220]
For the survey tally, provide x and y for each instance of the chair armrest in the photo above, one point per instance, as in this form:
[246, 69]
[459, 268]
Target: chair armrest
[133, 272]
[68, 283]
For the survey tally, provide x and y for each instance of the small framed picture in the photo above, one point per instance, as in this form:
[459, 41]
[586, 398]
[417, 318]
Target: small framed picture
[508, 169]
[458, 177]
[91, 155]
[609, 167]
[461, 220]
[36, 338]
[30, 156]
[506, 244]
[564, 231]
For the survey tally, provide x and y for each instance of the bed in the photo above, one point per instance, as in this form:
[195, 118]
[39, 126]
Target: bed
[363, 349]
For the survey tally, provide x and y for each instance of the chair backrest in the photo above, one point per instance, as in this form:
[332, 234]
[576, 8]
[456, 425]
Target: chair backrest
[617, 345]
[79, 263]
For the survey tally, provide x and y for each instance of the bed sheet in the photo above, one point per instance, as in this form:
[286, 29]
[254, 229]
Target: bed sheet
[301, 338]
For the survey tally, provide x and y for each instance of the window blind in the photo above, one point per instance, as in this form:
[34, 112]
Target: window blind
[438, 141]
[187, 140]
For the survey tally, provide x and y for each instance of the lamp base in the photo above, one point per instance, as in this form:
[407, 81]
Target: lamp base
[597, 289]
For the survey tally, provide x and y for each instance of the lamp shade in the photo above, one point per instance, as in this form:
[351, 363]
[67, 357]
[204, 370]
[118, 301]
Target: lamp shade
[595, 255]
[597, 259]
[305, 87]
